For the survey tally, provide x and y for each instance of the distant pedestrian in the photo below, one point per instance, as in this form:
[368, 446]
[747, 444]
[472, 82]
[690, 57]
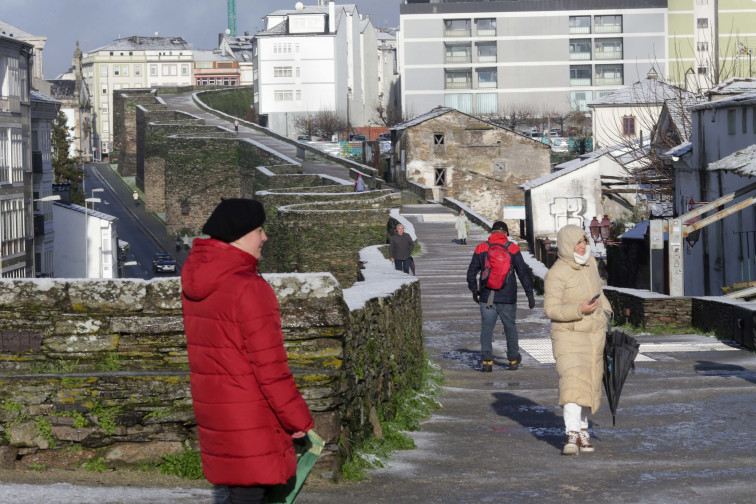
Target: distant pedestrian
[400, 249]
[187, 242]
[504, 302]
[463, 227]
[136, 198]
[359, 186]
[236, 126]
[178, 243]
[575, 302]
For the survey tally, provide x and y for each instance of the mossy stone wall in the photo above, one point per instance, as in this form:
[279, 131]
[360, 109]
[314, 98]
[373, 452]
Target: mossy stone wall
[123, 150]
[103, 365]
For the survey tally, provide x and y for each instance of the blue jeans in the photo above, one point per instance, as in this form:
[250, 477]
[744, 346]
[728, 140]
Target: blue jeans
[402, 264]
[507, 312]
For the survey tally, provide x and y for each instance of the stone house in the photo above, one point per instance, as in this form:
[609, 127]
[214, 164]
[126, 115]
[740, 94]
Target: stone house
[471, 160]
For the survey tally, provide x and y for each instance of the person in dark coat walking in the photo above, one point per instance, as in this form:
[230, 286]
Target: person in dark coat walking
[246, 403]
[400, 249]
[504, 304]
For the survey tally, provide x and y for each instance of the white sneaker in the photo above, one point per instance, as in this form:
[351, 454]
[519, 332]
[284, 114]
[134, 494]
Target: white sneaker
[571, 448]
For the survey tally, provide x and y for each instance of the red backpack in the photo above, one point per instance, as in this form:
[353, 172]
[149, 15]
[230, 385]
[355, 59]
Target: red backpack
[498, 266]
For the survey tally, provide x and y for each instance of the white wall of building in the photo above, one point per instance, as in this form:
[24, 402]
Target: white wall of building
[70, 244]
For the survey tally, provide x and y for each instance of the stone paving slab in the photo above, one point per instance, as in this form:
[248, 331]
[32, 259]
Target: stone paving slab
[684, 430]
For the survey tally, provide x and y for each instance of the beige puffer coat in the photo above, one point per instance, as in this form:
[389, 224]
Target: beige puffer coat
[577, 340]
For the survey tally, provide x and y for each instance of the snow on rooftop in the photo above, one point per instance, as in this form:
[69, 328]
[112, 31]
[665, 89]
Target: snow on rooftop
[734, 85]
[739, 100]
[646, 91]
[742, 162]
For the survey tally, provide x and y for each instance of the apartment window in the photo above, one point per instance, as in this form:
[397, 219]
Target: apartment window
[485, 27]
[702, 22]
[138, 70]
[103, 70]
[580, 24]
[457, 27]
[296, 47]
[153, 70]
[440, 178]
[299, 95]
[731, 122]
[104, 107]
[282, 48]
[607, 24]
[283, 95]
[458, 79]
[608, 48]
[184, 70]
[104, 89]
[298, 72]
[628, 126]
[458, 53]
[486, 52]
[580, 75]
[609, 75]
[702, 2]
[282, 71]
[438, 143]
[580, 99]
[460, 101]
[105, 126]
[169, 70]
[703, 46]
[702, 70]
[116, 70]
[580, 49]
[487, 78]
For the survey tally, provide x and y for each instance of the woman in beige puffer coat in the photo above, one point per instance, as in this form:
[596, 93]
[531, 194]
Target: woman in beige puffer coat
[578, 332]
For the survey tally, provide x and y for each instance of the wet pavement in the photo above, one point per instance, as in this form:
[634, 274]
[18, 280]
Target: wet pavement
[685, 426]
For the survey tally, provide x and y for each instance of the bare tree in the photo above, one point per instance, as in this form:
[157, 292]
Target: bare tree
[512, 115]
[388, 115]
[328, 122]
[305, 125]
[557, 116]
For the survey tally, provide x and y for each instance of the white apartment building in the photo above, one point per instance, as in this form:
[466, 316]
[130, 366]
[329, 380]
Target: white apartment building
[132, 63]
[88, 248]
[311, 58]
[16, 252]
[485, 57]
[388, 73]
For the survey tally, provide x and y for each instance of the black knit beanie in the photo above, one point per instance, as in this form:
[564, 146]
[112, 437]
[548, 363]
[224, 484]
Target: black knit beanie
[233, 218]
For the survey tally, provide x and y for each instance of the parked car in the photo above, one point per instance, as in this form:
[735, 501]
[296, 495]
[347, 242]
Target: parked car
[163, 263]
[304, 138]
[357, 138]
[384, 137]
[560, 145]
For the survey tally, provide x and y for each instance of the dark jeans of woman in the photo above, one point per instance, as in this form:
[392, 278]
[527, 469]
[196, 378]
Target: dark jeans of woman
[246, 495]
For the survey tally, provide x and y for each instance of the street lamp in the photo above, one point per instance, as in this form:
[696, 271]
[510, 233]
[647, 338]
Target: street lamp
[86, 233]
[98, 189]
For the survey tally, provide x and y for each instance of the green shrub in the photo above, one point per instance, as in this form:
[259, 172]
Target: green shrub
[187, 465]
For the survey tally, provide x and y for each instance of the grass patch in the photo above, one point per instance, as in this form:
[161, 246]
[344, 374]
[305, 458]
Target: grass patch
[410, 407]
[105, 417]
[37, 467]
[659, 330]
[112, 362]
[95, 465]
[187, 465]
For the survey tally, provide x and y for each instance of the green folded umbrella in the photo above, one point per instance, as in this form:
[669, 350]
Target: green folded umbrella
[308, 449]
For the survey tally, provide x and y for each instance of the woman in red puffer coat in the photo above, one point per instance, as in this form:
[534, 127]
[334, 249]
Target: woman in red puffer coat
[246, 403]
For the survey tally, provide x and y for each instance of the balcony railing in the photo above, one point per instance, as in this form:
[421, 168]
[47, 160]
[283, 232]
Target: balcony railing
[580, 82]
[486, 32]
[608, 81]
[457, 32]
[467, 58]
[608, 28]
[605, 55]
[458, 85]
[580, 55]
[487, 84]
[487, 59]
[580, 29]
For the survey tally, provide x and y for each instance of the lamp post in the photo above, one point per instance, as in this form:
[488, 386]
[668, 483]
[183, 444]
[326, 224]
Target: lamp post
[86, 233]
[98, 189]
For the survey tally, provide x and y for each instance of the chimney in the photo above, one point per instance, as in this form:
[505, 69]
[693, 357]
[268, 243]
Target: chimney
[331, 17]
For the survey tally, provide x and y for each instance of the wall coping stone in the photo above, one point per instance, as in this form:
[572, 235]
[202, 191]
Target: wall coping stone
[381, 279]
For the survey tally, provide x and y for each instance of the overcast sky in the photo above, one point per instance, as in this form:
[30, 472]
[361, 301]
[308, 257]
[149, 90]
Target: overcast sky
[95, 23]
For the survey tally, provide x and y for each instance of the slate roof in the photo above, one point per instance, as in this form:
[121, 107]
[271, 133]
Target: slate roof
[63, 88]
[742, 162]
[12, 31]
[39, 96]
[646, 91]
[739, 100]
[211, 55]
[734, 85]
[139, 43]
[679, 113]
[283, 28]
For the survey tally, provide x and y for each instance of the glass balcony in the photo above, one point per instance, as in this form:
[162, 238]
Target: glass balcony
[580, 29]
[580, 55]
[616, 28]
[608, 55]
[580, 82]
[608, 81]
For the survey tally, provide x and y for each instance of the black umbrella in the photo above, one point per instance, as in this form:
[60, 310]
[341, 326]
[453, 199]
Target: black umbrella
[619, 357]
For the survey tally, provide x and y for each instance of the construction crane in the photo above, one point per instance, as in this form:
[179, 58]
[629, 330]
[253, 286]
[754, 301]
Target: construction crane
[231, 18]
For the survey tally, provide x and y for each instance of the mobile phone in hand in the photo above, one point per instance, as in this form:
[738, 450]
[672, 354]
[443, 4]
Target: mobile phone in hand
[594, 298]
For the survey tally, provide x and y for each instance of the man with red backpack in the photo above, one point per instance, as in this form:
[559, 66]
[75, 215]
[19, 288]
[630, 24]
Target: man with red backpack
[497, 260]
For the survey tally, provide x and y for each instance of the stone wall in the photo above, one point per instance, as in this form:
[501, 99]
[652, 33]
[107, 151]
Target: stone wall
[123, 151]
[102, 365]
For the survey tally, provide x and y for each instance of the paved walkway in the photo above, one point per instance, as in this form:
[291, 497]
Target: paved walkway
[684, 431]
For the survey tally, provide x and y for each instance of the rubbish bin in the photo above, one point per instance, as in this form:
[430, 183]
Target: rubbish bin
[743, 326]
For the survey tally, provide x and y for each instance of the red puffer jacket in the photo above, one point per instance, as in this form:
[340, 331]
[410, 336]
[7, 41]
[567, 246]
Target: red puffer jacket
[245, 400]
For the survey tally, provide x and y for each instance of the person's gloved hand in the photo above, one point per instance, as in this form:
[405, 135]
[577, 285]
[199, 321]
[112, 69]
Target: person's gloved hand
[531, 302]
[476, 296]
